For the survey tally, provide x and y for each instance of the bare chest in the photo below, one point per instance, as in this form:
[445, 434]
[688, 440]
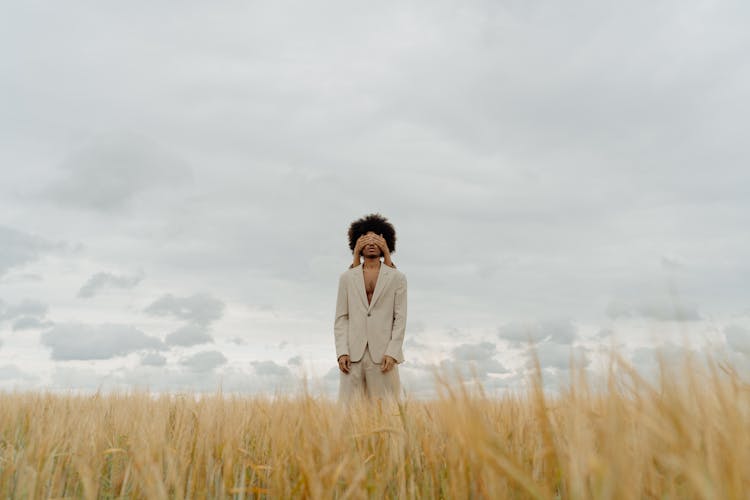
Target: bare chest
[371, 279]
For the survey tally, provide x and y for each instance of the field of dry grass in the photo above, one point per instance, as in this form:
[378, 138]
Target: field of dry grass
[687, 436]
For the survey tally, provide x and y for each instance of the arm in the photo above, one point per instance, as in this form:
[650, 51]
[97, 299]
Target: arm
[395, 346]
[341, 323]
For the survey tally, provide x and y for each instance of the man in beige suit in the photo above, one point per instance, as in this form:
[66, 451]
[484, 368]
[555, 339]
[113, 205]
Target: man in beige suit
[370, 314]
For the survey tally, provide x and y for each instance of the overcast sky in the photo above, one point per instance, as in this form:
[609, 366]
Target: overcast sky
[178, 181]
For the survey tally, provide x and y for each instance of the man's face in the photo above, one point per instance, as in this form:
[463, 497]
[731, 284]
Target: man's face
[371, 249]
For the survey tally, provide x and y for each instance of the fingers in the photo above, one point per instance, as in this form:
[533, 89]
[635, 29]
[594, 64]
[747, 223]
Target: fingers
[345, 364]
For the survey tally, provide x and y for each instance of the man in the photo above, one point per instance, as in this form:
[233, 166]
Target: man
[370, 314]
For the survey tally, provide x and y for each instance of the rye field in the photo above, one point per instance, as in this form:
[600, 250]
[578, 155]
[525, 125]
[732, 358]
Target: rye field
[684, 435]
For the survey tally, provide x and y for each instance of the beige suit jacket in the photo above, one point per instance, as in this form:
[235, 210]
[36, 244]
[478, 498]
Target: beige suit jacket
[381, 324]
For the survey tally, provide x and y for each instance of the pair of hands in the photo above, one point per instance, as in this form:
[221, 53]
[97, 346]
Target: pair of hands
[378, 240]
[345, 363]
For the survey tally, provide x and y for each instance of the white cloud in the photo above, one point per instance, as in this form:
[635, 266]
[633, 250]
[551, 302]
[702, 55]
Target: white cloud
[204, 361]
[199, 308]
[556, 355]
[270, 368]
[561, 331]
[30, 323]
[645, 359]
[474, 352]
[18, 248]
[153, 359]
[656, 308]
[187, 335]
[13, 372]
[27, 307]
[738, 338]
[29, 314]
[102, 280]
[70, 341]
[107, 174]
[469, 361]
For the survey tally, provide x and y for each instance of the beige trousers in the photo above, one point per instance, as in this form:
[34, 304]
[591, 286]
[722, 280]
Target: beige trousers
[366, 380]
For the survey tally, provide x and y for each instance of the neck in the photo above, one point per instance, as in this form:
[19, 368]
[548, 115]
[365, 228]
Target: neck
[371, 263]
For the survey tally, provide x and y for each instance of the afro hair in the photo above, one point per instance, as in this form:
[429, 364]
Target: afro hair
[375, 223]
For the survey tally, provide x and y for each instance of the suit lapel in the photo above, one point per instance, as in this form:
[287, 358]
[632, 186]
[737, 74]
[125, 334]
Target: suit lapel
[384, 276]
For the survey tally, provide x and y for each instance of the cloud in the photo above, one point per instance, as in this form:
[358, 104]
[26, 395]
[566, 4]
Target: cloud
[18, 248]
[645, 359]
[656, 308]
[27, 307]
[107, 174]
[199, 308]
[561, 331]
[13, 372]
[26, 315]
[556, 355]
[190, 334]
[466, 357]
[204, 361]
[72, 341]
[274, 377]
[557, 187]
[418, 379]
[481, 351]
[30, 323]
[153, 359]
[738, 338]
[673, 263]
[102, 280]
[270, 368]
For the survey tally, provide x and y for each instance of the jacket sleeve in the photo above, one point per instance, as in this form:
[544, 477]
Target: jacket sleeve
[341, 323]
[395, 346]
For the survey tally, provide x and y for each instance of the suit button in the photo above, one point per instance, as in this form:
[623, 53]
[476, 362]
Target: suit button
[368, 314]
